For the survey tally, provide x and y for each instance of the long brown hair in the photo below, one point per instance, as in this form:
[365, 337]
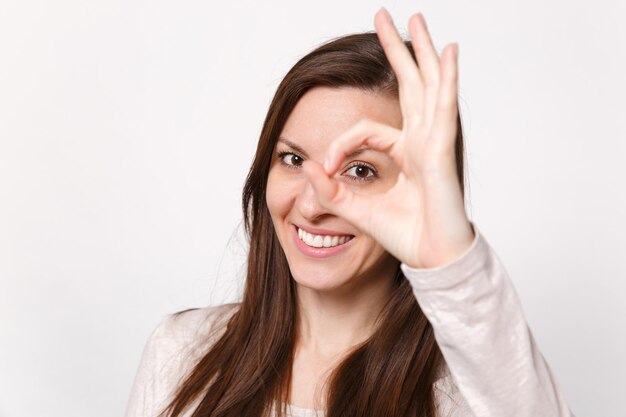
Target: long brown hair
[248, 369]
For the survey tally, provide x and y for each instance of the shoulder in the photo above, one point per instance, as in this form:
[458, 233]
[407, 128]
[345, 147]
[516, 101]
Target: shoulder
[172, 350]
[195, 323]
[450, 402]
[181, 339]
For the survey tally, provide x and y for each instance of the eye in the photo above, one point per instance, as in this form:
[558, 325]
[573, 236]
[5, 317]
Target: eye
[362, 172]
[290, 159]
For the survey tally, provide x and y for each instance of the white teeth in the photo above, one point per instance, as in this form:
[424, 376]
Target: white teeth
[320, 241]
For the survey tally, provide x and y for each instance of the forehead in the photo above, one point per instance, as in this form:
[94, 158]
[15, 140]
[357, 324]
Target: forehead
[323, 113]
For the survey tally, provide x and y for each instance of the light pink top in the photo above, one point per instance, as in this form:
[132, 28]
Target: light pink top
[494, 368]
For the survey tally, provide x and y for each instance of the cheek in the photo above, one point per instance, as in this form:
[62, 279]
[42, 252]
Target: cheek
[277, 194]
[373, 252]
[374, 249]
[271, 194]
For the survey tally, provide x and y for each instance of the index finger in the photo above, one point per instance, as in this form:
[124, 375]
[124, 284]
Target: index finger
[377, 136]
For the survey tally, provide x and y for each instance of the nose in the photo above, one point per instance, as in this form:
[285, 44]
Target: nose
[307, 204]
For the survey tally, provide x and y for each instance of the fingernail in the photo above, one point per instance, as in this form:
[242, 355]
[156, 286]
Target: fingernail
[421, 18]
[387, 15]
[326, 165]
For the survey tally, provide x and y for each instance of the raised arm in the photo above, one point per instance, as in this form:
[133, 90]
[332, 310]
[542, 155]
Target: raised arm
[480, 327]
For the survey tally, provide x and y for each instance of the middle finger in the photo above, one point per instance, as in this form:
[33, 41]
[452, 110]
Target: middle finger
[409, 80]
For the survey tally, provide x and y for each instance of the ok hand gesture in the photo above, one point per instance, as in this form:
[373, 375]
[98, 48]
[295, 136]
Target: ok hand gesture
[421, 220]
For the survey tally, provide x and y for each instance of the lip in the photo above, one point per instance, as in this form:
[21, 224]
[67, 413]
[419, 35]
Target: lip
[318, 252]
[323, 232]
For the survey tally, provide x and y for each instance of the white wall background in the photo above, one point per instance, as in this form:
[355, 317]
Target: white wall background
[126, 132]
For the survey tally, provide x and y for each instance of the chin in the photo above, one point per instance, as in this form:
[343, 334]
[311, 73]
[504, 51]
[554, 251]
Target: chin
[321, 281]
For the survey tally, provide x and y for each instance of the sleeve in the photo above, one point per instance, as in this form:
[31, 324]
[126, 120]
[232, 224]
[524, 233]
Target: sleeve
[481, 330]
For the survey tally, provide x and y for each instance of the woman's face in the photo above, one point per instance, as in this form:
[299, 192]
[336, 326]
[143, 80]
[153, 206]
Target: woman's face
[319, 260]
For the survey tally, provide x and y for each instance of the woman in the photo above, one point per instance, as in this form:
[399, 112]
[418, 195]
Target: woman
[368, 290]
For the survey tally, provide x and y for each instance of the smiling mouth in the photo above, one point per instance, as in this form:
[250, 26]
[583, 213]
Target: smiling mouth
[322, 241]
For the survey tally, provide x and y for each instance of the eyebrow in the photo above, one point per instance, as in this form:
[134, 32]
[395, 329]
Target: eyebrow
[303, 152]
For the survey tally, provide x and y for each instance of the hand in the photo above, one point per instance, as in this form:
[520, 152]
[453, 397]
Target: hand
[421, 220]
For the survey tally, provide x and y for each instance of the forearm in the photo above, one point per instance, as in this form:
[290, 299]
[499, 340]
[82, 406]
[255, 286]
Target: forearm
[480, 327]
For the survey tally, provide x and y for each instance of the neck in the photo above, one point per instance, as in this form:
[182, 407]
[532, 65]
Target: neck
[332, 322]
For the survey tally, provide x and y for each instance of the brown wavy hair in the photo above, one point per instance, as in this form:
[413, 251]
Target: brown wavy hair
[248, 369]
